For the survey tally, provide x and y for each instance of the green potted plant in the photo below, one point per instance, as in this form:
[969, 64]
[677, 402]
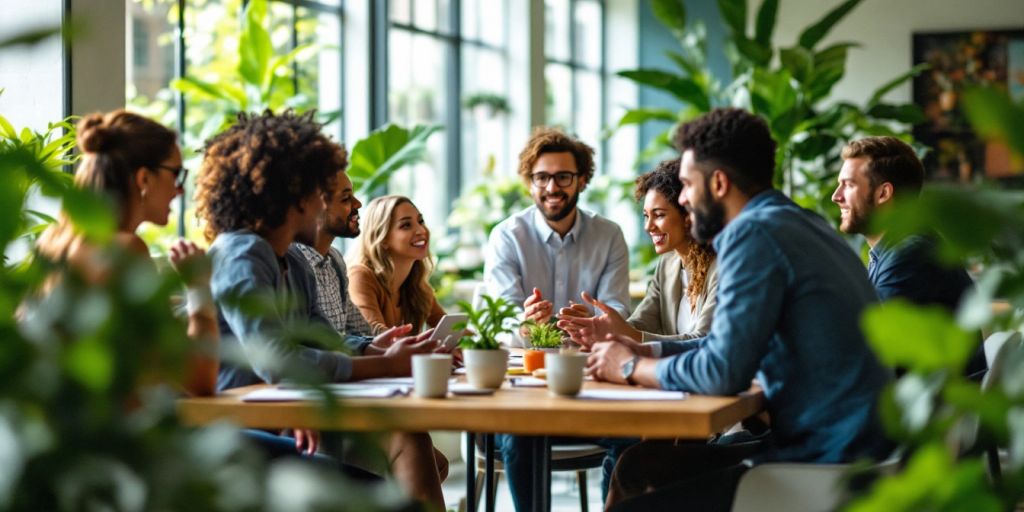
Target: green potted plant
[486, 362]
[543, 338]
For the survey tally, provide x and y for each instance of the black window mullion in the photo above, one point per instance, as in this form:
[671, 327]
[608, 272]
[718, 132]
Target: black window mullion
[574, 102]
[454, 106]
[179, 100]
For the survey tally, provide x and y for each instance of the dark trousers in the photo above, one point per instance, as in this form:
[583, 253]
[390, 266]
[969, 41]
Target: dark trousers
[682, 475]
[277, 447]
[516, 456]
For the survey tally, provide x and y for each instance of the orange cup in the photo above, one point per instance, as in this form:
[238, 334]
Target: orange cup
[533, 360]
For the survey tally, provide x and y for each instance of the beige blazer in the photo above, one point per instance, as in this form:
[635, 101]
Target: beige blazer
[657, 313]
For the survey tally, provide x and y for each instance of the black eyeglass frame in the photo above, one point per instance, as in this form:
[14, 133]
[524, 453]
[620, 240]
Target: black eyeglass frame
[562, 179]
[180, 174]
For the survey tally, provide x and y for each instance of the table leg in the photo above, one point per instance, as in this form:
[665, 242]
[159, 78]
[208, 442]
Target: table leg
[542, 475]
[470, 472]
[489, 472]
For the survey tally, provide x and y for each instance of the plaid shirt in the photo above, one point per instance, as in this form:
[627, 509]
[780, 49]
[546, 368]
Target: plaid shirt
[332, 291]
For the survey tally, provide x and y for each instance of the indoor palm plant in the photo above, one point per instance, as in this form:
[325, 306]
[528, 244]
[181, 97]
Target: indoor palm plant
[486, 361]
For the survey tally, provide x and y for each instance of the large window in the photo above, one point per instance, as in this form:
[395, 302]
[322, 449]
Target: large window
[574, 70]
[207, 49]
[447, 65]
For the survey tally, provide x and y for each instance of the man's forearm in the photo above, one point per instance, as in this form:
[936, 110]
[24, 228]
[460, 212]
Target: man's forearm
[370, 367]
[646, 374]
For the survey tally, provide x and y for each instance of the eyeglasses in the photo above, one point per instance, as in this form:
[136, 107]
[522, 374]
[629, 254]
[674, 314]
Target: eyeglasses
[562, 179]
[180, 174]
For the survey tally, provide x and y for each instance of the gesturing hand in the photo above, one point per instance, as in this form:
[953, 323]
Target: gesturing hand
[586, 331]
[190, 262]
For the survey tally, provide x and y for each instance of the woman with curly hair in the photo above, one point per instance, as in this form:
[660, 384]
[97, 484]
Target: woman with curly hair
[389, 281]
[136, 164]
[680, 299]
[262, 187]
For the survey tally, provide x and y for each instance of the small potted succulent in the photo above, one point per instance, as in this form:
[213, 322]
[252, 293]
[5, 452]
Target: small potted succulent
[543, 338]
[486, 362]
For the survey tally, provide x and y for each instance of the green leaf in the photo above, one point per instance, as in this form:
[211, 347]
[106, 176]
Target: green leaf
[822, 80]
[682, 88]
[6, 130]
[685, 64]
[672, 14]
[876, 97]
[766, 17]
[734, 13]
[642, 115]
[907, 113]
[995, 116]
[920, 339]
[812, 35]
[190, 86]
[387, 149]
[932, 480]
[753, 51]
[254, 45]
[90, 362]
[771, 92]
[798, 61]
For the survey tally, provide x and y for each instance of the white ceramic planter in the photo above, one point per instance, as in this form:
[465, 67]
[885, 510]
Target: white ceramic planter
[486, 368]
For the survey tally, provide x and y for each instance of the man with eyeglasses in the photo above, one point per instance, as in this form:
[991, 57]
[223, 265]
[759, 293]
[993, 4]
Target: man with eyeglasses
[546, 255]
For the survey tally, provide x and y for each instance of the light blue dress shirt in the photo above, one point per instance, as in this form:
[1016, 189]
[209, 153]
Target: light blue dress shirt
[524, 253]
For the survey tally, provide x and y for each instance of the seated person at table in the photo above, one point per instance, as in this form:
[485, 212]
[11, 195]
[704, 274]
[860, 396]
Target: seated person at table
[261, 188]
[340, 218]
[680, 300]
[135, 162]
[389, 282]
[547, 254]
[790, 297]
[881, 171]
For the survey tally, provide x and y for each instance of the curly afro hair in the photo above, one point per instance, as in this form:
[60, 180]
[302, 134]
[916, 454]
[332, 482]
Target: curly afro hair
[553, 140]
[256, 170]
[734, 141]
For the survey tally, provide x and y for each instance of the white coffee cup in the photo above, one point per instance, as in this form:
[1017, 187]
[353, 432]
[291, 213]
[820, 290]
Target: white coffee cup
[430, 374]
[565, 372]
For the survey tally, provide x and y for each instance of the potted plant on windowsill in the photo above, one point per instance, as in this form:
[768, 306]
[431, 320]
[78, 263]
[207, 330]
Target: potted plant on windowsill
[486, 362]
[543, 338]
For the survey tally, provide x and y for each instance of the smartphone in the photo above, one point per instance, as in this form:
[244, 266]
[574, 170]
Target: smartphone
[446, 331]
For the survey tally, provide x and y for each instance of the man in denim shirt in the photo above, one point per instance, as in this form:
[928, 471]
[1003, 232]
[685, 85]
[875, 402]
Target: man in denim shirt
[878, 172]
[790, 297]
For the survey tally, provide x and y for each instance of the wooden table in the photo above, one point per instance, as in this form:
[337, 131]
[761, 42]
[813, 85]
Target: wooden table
[512, 410]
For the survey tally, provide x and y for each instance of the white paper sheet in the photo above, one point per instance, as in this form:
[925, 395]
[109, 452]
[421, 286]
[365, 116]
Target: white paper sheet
[529, 382]
[630, 394]
[296, 395]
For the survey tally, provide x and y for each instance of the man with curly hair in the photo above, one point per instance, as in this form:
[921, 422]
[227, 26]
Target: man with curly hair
[790, 297]
[260, 188]
[547, 255]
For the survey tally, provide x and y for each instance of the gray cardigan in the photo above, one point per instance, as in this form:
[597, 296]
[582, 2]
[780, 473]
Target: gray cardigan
[657, 313]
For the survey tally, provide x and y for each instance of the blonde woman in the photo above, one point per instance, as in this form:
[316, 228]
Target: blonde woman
[389, 280]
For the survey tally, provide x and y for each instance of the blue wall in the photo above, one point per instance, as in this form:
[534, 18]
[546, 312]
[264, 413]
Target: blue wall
[655, 39]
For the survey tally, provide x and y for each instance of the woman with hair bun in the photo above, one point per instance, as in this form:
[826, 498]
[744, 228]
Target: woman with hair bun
[136, 164]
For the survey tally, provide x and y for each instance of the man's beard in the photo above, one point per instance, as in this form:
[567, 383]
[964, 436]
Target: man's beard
[854, 224]
[570, 205]
[343, 229]
[708, 219]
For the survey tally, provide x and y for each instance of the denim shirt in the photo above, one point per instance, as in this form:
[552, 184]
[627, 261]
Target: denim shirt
[523, 252]
[910, 269]
[245, 265]
[790, 297]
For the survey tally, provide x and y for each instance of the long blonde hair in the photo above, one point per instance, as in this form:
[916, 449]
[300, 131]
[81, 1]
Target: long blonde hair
[415, 296]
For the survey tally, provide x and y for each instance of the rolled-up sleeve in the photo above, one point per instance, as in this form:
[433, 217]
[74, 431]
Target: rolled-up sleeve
[752, 277]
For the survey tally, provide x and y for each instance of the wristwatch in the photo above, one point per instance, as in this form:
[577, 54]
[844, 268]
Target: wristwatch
[629, 368]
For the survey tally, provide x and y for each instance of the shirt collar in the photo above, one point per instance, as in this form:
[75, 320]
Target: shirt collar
[545, 231]
[311, 254]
